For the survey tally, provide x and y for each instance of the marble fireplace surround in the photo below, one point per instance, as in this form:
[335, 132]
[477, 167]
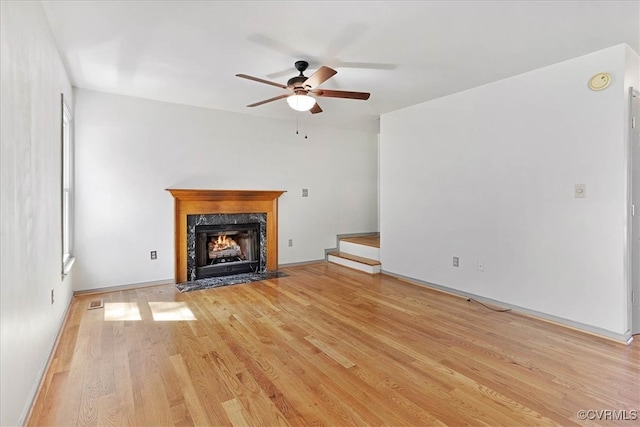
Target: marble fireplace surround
[212, 202]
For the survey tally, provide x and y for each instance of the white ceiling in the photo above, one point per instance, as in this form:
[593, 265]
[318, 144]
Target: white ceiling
[404, 53]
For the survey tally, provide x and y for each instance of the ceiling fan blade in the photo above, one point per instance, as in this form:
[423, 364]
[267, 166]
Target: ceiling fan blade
[321, 75]
[315, 109]
[275, 98]
[328, 93]
[256, 79]
[282, 73]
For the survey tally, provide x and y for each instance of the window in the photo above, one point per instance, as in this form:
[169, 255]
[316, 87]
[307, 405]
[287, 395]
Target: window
[67, 190]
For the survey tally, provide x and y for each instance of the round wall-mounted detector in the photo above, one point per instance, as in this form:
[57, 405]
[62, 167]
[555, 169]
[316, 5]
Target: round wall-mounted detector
[600, 81]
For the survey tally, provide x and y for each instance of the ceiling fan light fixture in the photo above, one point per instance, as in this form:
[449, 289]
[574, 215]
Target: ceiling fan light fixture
[300, 87]
[301, 102]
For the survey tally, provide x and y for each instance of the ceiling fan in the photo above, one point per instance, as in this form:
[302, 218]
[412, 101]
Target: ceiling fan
[301, 90]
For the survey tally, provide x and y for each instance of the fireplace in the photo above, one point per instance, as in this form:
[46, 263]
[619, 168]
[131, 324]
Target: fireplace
[227, 249]
[249, 217]
[225, 244]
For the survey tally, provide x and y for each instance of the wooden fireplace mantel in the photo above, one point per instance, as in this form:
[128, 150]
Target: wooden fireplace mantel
[196, 202]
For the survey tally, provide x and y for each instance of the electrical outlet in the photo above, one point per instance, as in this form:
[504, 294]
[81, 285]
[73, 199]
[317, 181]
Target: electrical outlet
[51, 296]
[480, 266]
[290, 242]
[154, 254]
[305, 192]
[456, 261]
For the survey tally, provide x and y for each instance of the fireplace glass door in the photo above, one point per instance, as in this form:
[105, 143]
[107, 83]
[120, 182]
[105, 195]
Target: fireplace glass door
[227, 249]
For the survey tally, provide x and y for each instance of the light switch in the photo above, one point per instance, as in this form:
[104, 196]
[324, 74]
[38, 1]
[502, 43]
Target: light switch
[580, 191]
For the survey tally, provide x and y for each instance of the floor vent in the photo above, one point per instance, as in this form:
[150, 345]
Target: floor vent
[95, 304]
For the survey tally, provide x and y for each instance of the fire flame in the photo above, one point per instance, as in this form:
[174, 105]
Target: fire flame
[223, 242]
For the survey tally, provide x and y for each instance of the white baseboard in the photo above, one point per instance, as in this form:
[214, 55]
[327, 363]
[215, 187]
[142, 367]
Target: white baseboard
[625, 338]
[125, 287]
[293, 264]
[41, 374]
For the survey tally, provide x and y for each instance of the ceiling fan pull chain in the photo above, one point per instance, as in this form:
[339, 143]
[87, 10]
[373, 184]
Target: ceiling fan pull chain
[305, 127]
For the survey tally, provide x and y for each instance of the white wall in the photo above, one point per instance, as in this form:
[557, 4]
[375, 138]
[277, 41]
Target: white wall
[32, 79]
[488, 175]
[129, 150]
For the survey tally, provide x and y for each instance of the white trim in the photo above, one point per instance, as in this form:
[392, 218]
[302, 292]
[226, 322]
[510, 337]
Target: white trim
[67, 265]
[630, 257]
[293, 264]
[625, 338]
[357, 249]
[66, 188]
[25, 418]
[124, 287]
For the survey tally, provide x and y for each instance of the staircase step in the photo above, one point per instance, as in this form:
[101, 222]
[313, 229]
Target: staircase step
[367, 265]
[372, 240]
[359, 249]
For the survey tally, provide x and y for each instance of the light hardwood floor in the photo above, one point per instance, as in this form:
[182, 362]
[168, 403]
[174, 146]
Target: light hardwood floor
[368, 240]
[328, 346]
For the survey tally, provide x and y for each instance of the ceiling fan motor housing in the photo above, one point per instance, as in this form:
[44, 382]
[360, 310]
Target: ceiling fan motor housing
[296, 82]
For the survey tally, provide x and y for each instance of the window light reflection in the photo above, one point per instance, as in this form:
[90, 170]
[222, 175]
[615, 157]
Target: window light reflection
[115, 311]
[171, 311]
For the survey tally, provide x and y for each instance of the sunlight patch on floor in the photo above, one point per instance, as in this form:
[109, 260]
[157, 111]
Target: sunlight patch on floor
[171, 311]
[115, 311]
